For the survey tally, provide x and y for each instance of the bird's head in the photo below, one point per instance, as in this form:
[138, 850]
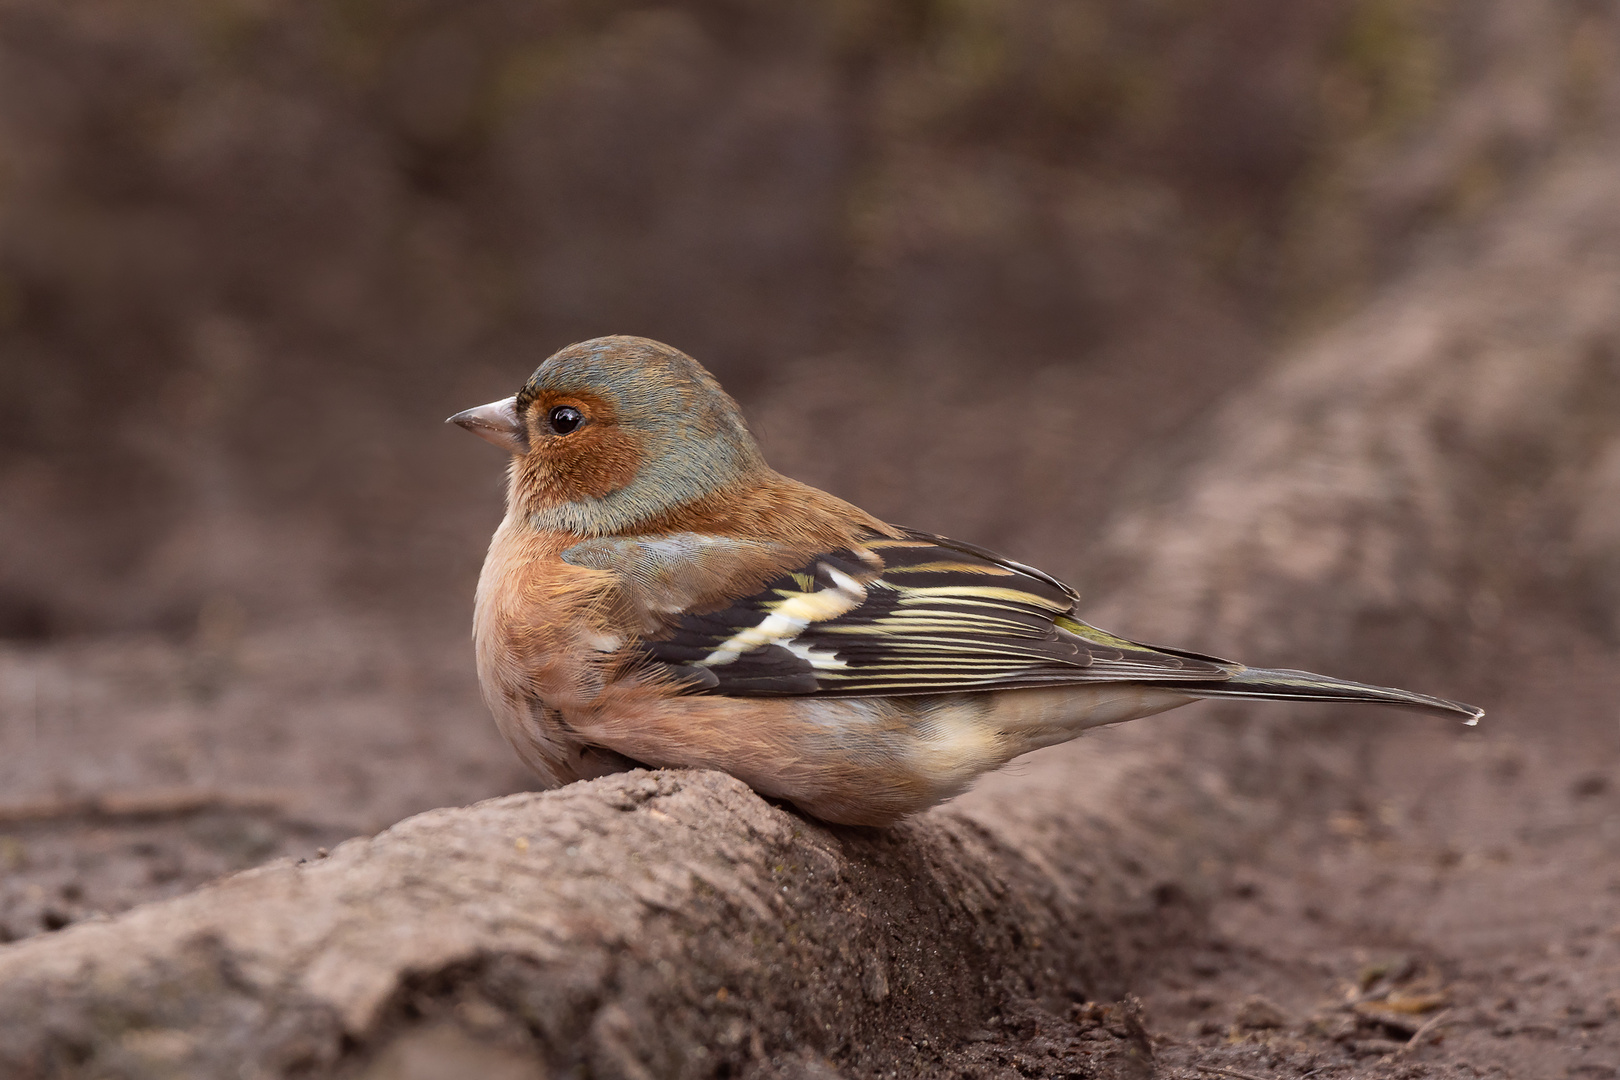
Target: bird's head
[614, 432]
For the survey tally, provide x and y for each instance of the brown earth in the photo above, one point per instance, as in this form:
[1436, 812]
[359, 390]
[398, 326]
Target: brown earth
[235, 552]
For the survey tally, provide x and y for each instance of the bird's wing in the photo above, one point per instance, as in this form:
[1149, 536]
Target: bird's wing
[914, 615]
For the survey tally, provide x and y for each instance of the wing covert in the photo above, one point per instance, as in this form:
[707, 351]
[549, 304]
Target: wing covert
[915, 615]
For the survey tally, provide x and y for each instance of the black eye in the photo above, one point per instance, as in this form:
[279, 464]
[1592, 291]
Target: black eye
[563, 419]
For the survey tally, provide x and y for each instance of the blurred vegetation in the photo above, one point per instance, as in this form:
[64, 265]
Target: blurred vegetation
[251, 249]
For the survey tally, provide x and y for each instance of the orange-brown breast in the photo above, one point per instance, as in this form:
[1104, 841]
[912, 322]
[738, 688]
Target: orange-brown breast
[544, 643]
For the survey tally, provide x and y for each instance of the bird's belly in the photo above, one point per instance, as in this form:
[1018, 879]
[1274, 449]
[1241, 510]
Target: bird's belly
[863, 761]
[513, 686]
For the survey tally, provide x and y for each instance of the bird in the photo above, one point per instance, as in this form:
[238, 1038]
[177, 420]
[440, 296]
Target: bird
[657, 596]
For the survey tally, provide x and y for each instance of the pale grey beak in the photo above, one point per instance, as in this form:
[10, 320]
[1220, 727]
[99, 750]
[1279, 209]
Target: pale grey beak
[496, 422]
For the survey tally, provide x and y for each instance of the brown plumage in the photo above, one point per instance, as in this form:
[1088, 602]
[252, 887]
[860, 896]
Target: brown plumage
[658, 595]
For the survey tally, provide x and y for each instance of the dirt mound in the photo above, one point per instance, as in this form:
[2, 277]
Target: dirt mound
[660, 924]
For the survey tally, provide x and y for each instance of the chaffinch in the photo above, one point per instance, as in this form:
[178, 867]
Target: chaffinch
[657, 595]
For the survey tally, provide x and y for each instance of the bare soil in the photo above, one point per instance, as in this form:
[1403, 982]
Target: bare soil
[138, 768]
[1438, 903]
[1459, 916]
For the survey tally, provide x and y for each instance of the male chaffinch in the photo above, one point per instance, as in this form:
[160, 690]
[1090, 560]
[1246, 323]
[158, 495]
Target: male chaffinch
[658, 595]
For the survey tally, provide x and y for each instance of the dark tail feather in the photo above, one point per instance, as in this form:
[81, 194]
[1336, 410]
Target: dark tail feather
[1274, 684]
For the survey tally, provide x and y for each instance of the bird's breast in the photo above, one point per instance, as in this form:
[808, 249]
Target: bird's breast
[541, 644]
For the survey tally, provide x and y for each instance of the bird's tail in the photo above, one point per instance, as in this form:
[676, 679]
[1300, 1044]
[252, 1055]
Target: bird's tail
[1280, 684]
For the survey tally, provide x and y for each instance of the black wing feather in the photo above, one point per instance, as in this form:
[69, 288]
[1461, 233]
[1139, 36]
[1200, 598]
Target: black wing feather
[919, 615]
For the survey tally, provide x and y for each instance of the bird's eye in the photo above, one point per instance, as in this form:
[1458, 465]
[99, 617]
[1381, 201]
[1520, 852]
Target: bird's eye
[564, 418]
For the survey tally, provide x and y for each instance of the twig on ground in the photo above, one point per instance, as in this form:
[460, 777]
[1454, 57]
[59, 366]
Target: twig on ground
[1423, 1032]
[149, 803]
[1219, 1071]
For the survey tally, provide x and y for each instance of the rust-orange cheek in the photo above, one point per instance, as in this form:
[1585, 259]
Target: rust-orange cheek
[589, 464]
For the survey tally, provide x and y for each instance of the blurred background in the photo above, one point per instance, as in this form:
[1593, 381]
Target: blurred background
[991, 268]
[964, 262]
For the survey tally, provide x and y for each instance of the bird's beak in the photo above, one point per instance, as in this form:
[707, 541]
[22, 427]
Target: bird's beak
[496, 422]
